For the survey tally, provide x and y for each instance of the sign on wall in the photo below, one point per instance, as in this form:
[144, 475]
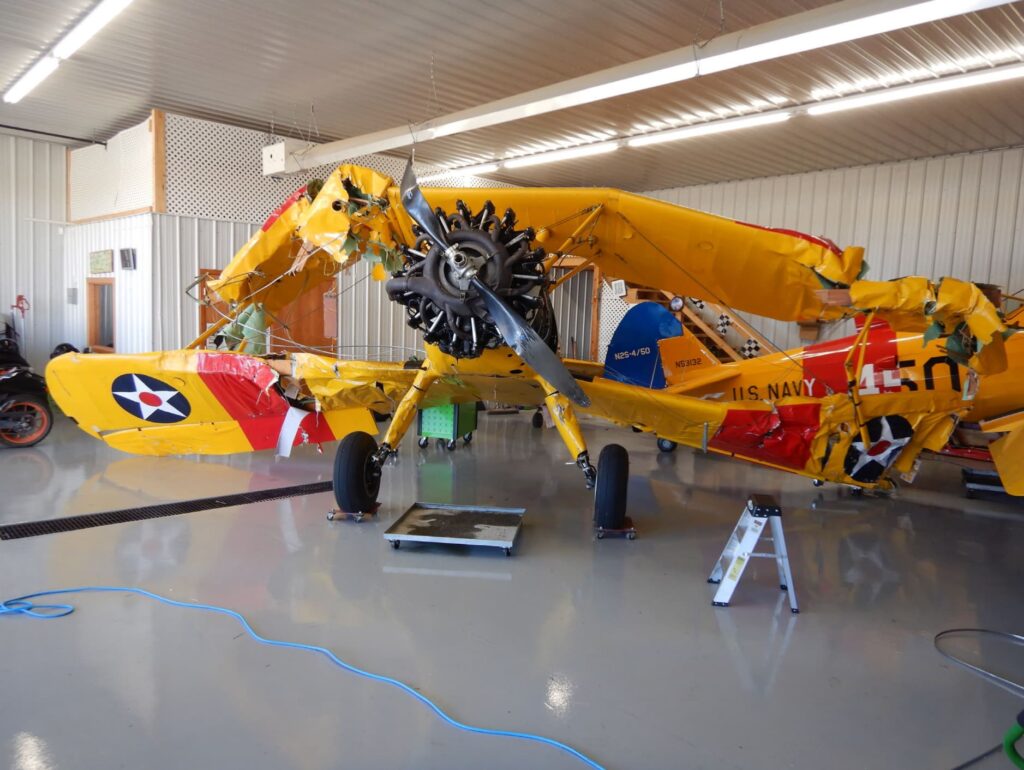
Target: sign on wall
[101, 262]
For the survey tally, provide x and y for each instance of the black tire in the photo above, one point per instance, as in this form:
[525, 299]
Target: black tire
[610, 491]
[36, 410]
[450, 444]
[423, 441]
[538, 420]
[467, 438]
[665, 445]
[356, 475]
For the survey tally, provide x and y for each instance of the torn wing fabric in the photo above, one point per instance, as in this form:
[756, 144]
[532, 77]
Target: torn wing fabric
[259, 272]
[350, 217]
[303, 244]
[960, 308]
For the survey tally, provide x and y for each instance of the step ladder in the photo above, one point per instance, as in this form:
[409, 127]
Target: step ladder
[759, 511]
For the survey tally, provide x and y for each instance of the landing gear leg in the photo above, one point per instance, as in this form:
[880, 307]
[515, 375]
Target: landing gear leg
[405, 412]
[561, 411]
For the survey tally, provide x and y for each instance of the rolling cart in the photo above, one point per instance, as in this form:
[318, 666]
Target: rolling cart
[446, 423]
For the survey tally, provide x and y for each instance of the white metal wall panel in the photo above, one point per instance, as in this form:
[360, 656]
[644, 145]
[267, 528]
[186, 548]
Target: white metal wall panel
[32, 204]
[182, 246]
[959, 215]
[134, 315]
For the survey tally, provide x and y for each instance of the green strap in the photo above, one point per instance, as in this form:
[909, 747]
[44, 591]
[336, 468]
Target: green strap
[1013, 735]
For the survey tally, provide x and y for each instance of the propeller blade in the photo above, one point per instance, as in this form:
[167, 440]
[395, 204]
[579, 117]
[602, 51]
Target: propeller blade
[418, 209]
[519, 336]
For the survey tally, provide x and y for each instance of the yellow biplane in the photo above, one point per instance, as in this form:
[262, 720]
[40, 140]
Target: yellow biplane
[477, 284]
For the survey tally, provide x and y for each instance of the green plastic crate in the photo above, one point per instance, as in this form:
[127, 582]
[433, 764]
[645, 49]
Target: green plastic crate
[448, 421]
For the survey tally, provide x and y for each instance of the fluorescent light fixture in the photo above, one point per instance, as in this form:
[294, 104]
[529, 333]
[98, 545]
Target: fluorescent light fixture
[714, 127]
[82, 32]
[79, 35]
[567, 154]
[480, 168]
[825, 35]
[36, 74]
[896, 93]
[960, 65]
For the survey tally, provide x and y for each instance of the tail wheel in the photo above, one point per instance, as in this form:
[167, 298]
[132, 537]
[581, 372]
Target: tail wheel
[356, 473]
[610, 491]
[665, 445]
[36, 421]
[887, 437]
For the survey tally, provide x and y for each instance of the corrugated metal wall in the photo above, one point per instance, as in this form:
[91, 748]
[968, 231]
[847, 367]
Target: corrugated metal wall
[134, 316]
[370, 326]
[181, 247]
[574, 310]
[960, 215]
[32, 207]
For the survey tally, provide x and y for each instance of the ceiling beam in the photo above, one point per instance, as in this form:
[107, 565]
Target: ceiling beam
[817, 28]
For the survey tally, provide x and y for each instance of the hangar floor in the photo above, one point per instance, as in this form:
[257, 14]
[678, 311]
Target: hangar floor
[611, 646]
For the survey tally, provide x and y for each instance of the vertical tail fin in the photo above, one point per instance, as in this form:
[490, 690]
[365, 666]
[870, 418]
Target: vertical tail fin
[682, 357]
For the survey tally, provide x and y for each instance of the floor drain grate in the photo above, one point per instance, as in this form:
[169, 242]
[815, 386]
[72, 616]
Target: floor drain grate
[86, 520]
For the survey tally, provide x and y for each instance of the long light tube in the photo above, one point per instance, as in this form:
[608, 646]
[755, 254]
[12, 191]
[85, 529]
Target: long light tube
[78, 36]
[81, 33]
[705, 129]
[897, 93]
[36, 74]
[567, 154]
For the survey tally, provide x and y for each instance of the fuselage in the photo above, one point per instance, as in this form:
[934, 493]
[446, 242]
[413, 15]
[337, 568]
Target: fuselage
[893, 363]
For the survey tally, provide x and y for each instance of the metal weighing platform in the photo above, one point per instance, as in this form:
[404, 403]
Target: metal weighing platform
[457, 525]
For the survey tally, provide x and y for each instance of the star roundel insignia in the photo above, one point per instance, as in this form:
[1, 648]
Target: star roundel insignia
[149, 399]
[888, 435]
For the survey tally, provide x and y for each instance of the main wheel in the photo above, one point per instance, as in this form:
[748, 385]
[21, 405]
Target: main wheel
[665, 445]
[35, 417]
[537, 420]
[610, 491]
[356, 473]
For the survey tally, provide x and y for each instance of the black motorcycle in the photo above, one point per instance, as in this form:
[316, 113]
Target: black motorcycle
[25, 416]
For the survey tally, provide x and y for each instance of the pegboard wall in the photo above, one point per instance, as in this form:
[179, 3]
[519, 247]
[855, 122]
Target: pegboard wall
[215, 171]
[613, 310]
[112, 180]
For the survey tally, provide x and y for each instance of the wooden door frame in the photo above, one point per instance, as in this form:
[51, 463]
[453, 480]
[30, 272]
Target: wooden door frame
[91, 314]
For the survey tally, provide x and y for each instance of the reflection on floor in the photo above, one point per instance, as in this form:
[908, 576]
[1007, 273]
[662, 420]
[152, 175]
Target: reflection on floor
[609, 645]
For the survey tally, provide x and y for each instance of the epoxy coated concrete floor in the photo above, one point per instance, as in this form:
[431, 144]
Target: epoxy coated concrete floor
[611, 646]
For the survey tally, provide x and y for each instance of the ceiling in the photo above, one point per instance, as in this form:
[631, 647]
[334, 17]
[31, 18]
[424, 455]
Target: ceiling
[326, 70]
